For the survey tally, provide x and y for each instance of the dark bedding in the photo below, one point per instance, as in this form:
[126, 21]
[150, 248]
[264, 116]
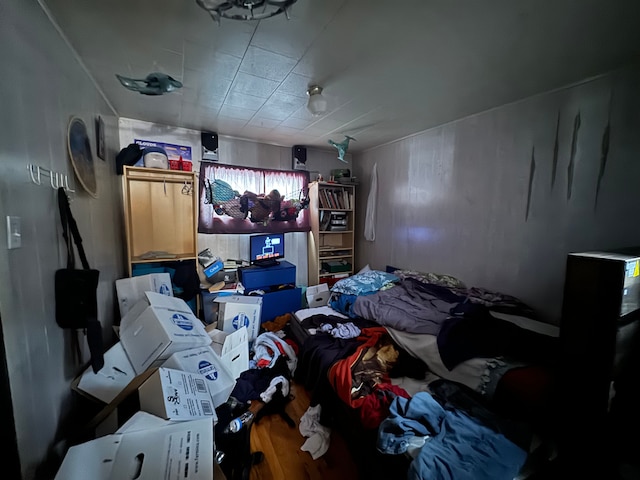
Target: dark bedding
[473, 424]
[410, 306]
[481, 335]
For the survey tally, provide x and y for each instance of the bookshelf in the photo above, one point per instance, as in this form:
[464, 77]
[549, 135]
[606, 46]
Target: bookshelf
[331, 239]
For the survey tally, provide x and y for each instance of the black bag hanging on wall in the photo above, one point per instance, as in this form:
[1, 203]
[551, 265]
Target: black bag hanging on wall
[76, 290]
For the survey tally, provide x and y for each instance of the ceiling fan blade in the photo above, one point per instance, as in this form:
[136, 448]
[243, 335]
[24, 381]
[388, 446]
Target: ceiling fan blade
[131, 83]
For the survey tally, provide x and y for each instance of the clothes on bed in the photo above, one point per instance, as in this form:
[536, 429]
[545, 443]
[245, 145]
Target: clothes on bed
[341, 330]
[459, 447]
[411, 306]
[482, 335]
[428, 277]
[353, 377]
[317, 354]
[343, 303]
[497, 301]
[479, 374]
[375, 407]
[454, 396]
[316, 321]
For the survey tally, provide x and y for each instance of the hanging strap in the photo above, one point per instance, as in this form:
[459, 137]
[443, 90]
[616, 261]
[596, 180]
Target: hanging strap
[69, 224]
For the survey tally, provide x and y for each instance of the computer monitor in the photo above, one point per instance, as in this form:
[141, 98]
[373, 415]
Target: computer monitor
[265, 250]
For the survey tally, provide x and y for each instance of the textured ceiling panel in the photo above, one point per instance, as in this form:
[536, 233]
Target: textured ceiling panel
[388, 69]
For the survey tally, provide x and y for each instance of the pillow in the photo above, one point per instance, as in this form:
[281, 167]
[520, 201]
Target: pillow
[434, 278]
[365, 283]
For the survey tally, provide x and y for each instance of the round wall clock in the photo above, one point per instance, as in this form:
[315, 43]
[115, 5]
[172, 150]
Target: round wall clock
[81, 157]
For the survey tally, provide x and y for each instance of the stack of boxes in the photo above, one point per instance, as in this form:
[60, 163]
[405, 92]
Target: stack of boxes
[178, 370]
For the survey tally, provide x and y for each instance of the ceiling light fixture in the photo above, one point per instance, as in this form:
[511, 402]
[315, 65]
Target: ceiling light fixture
[245, 9]
[317, 104]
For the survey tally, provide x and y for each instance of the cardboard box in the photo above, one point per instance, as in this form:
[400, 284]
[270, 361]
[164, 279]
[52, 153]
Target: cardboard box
[180, 450]
[211, 270]
[176, 395]
[232, 348]
[317, 295]
[236, 311]
[112, 378]
[205, 361]
[210, 307]
[157, 327]
[131, 290]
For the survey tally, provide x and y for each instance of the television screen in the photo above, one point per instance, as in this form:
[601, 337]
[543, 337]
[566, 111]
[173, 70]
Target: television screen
[266, 249]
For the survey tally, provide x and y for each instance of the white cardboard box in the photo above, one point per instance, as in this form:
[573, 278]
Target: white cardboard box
[176, 395]
[237, 311]
[205, 361]
[112, 378]
[157, 327]
[131, 290]
[180, 450]
[232, 348]
[318, 295]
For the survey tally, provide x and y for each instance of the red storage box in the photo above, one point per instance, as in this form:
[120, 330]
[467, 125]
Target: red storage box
[184, 165]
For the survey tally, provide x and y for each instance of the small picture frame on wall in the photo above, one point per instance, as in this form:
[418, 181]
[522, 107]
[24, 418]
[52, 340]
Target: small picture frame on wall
[100, 141]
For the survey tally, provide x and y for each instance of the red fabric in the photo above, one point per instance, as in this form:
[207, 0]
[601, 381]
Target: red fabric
[375, 407]
[293, 345]
[340, 372]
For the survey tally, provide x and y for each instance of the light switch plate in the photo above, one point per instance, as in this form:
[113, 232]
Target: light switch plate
[14, 234]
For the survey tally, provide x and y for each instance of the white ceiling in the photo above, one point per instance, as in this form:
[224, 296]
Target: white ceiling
[388, 68]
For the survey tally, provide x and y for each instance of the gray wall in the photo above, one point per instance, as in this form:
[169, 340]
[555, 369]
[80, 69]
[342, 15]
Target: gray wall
[455, 199]
[247, 153]
[42, 86]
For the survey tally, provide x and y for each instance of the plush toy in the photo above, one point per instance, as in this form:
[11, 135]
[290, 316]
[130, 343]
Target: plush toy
[342, 147]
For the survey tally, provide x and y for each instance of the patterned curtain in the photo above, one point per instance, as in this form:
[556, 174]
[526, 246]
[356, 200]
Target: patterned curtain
[250, 200]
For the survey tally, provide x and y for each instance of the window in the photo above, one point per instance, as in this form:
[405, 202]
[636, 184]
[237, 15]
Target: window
[251, 200]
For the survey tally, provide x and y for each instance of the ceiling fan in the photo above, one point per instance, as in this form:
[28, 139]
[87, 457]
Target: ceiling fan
[155, 83]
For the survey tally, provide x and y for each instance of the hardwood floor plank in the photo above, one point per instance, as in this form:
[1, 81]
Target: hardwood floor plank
[281, 444]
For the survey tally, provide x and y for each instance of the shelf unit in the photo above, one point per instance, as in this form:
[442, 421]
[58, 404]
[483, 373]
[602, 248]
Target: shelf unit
[332, 208]
[160, 209]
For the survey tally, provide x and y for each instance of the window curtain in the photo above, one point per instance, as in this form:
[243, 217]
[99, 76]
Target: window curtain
[250, 200]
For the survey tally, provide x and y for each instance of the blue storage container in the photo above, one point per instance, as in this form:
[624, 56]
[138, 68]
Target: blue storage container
[279, 302]
[262, 278]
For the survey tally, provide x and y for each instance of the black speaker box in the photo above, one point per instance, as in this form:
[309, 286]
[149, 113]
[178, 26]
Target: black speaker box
[299, 154]
[209, 145]
[209, 141]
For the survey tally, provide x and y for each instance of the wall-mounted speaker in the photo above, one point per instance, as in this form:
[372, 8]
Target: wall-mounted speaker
[299, 154]
[209, 146]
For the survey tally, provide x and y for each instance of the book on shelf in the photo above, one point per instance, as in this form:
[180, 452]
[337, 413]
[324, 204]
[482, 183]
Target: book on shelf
[341, 275]
[325, 221]
[328, 198]
[338, 197]
[322, 200]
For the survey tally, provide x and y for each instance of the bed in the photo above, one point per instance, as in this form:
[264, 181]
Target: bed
[425, 375]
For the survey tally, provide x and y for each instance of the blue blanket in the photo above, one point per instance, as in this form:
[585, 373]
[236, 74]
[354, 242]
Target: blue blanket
[458, 448]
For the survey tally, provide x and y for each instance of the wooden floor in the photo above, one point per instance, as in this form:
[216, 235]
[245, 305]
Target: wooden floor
[281, 444]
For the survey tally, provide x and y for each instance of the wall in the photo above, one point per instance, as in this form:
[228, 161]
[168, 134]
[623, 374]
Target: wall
[476, 198]
[235, 151]
[43, 85]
